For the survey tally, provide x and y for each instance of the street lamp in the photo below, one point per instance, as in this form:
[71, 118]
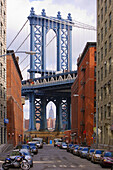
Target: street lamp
[26, 52]
[76, 95]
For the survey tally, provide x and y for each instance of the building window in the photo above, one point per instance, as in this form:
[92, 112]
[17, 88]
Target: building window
[98, 20]
[105, 91]
[95, 86]
[105, 109]
[95, 102]
[109, 109]
[105, 6]
[98, 95]
[105, 48]
[98, 76]
[4, 94]
[95, 56]
[110, 20]
[4, 74]
[101, 113]
[98, 58]
[98, 39]
[1, 69]
[102, 34]
[101, 53]
[110, 65]
[95, 71]
[101, 14]
[109, 87]
[1, 90]
[105, 68]
[1, 135]
[1, 110]
[101, 73]
[110, 42]
[105, 27]
[101, 93]
[4, 112]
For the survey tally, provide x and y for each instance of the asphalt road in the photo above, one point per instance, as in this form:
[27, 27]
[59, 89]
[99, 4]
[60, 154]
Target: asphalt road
[52, 158]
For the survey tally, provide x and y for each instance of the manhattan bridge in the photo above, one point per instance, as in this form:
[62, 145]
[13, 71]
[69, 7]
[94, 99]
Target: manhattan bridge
[52, 86]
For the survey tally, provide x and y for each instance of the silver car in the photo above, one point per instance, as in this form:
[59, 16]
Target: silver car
[28, 156]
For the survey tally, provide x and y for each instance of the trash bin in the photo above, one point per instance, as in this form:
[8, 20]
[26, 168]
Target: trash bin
[50, 142]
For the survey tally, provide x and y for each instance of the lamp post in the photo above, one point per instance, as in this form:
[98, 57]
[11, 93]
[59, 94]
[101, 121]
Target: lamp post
[26, 52]
[76, 95]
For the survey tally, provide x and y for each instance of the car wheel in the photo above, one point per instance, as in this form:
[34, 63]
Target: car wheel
[31, 165]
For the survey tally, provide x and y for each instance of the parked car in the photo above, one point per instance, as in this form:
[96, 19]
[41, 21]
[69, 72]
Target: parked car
[34, 148]
[63, 145]
[73, 147]
[84, 151]
[59, 144]
[56, 141]
[28, 156]
[106, 159]
[39, 142]
[69, 146]
[96, 155]
[75, 150]
[79, 150]
[89, 154]
[23, 146]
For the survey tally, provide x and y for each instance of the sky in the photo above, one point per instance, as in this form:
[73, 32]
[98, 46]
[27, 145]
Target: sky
[17, 12]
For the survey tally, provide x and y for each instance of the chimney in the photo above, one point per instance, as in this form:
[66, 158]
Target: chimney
[17, 59]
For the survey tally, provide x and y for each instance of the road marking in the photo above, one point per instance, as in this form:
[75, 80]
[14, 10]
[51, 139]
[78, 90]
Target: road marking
[81, 166]
[72, 166]
[43, 162]
[54, 166]
[62, 166]
[59, 161]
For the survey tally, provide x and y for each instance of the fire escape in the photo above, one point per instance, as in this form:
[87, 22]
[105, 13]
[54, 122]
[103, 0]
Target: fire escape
[82, 122]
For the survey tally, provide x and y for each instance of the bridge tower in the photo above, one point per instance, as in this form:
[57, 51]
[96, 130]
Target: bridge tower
[39, 27]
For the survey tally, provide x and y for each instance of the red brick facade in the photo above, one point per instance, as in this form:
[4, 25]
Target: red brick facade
[14, 103]
[83, 106]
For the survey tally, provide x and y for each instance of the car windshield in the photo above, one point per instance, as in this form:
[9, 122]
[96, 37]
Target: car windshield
[80, 148]
[70, 145]
[64, 143]
[92, 150]
[108, 154]
[15, 153]
[38, 142]
[99, 152]
[76, 147]
[32, 144]
[25, 153]
[25, 147]
[85, 149]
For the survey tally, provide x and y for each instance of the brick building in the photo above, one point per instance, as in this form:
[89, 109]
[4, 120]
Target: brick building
[74, 111]
[3, 111]
[14, 102]
[105, 71]
[84, 105]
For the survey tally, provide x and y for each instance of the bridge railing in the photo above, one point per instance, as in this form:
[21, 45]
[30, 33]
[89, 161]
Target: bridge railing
[64, 77]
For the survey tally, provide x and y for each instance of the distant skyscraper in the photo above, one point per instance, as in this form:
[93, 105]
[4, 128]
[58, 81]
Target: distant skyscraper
[51, 113]
[51, 120]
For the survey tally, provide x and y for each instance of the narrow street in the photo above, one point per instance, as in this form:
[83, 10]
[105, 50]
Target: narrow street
[51, 158]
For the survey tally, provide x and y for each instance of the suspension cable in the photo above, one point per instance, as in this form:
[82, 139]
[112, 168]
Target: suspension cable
[25, 67]
[23, 59]
[17, 34]
[23, 42]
